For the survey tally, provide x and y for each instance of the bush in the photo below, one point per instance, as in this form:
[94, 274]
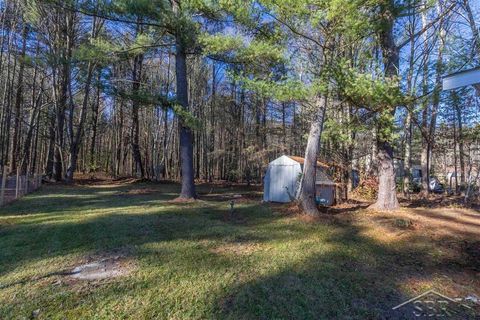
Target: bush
[367, 189]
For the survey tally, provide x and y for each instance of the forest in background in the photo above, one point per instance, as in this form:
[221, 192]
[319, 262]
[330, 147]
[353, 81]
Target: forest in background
[214, 90]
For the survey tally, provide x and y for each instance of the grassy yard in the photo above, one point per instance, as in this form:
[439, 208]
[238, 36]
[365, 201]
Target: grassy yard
[194, 260]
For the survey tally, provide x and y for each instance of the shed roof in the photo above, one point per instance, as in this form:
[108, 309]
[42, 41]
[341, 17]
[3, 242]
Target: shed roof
[302, 161]
[322, 178]
[284, 160]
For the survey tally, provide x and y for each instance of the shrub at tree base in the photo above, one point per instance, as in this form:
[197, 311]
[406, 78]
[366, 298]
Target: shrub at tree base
[367, 189]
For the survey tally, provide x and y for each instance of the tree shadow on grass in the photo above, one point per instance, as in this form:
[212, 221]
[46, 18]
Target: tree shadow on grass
[317, 271]
[51, 235]
[359, 279]
[349, 275]
[62, 199]
[65, 199]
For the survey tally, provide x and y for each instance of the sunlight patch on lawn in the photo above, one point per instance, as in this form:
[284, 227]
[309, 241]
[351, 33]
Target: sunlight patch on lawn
[197, 261]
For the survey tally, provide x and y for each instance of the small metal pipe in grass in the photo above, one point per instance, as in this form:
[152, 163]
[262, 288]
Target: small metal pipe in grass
[232, 204]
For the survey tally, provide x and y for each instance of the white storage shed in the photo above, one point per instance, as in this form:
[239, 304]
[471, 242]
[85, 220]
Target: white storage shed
[281, 180]
[283, 177]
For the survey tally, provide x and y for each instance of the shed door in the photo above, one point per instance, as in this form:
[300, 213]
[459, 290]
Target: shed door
[280, 180]
[325, 194]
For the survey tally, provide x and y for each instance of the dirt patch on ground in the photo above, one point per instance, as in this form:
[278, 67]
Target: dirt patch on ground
[99, 270]
[91, 269]
[102, 266]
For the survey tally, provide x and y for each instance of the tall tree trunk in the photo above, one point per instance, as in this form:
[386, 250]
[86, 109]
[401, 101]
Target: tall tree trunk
[407, 159]
[307, 185]
[120, 138]
[33, 117]
[459, 137]
[15, 148]
[76, 139]
[424, 164]
[28, 138]
[455, 158]
[461, 151]
[51, 146]
[95, 108]
[211, 150]
[425, 151]
[137, 78]
[6, 98]
[59, 132]
[372, 167]
[186, 141]
[387, 195]
[407, 155]
[34, 152]
[65, 38]
[429, 130]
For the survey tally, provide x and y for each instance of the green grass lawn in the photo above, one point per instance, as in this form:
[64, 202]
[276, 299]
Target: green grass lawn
[194, 261]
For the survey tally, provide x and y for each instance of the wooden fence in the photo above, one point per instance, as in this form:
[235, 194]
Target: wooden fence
[14, 187]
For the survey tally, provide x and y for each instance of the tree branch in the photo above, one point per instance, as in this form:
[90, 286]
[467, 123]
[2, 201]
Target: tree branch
[426, 27]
